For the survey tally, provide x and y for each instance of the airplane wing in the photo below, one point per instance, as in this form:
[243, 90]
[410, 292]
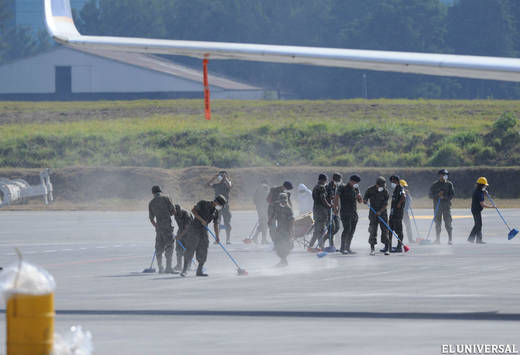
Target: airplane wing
[61, 27]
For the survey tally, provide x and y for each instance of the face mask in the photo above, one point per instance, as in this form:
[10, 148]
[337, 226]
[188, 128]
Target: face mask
[445, 177]
[218, 207]
[484, 188]
[380, 189]
[337, 182]
[356, 186]
[219, 178]
[394, 185]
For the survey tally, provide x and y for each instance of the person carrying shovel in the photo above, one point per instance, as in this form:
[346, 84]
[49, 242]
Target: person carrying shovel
[442, 192]
[477, 205]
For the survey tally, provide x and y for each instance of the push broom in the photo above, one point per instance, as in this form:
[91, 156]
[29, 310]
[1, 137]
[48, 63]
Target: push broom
[427, 241]
[240, 271]
[405, 247]
[151, 269]
[331, 248]
[512, 232]
[249, 239]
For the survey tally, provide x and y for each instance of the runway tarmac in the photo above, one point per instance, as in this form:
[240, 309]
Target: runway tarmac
[399, 304]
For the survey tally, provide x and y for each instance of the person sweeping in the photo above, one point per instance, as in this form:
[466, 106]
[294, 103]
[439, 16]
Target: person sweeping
[284, 221]
[195, 240]
[477, 205]
[378, 196]
[160, 210]
[442, 192]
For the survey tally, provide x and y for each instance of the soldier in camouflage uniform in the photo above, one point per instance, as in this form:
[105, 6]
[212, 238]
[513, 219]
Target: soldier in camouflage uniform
[332, 188]
[273, 198]
[443, 191]
[284, 221]
[160, 210]
[397, 212]
[183, 218]
[196, 237]
[348, 195]
[378, 196]
[320, 212]
[221, 183]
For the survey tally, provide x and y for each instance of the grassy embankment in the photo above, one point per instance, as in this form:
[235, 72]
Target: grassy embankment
[173, 134]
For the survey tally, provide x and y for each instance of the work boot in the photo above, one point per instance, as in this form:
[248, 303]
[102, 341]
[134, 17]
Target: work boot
[185, 267]
[178, 267]
[169, 269]
[200, 271]
[372, 250]
[160, 264]
[282, 263]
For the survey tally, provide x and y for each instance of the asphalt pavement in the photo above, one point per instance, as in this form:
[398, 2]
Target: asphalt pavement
[409, 303]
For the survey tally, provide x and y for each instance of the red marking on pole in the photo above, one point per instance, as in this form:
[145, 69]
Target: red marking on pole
[207, 107]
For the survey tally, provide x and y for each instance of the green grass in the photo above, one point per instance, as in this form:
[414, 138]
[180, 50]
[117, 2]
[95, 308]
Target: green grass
[174, 134]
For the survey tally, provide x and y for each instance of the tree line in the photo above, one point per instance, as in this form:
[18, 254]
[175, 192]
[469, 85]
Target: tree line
[474, 27]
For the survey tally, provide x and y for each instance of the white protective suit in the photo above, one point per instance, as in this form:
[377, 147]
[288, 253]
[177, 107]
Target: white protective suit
[304, 197]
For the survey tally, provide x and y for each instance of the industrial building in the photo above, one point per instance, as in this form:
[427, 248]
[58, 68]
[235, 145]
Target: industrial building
[69, 74]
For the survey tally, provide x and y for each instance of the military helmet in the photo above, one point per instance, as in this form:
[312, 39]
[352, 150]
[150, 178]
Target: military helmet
[156, 189]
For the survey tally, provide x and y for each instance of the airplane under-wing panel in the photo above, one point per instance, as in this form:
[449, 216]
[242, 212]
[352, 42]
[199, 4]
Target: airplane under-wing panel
[61, 27]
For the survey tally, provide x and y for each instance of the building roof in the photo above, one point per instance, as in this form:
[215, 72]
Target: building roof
[165, 66]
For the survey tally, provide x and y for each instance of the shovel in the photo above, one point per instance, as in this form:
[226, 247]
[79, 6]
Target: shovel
[512, 232]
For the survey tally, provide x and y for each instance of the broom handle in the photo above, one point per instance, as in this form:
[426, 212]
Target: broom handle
[153, 259]
[414, 221]
[433, 220]
[253, 231]
[386, 225]
[223, 248]
[496, 208]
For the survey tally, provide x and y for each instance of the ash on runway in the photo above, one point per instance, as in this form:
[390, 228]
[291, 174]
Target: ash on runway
[408, 304]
